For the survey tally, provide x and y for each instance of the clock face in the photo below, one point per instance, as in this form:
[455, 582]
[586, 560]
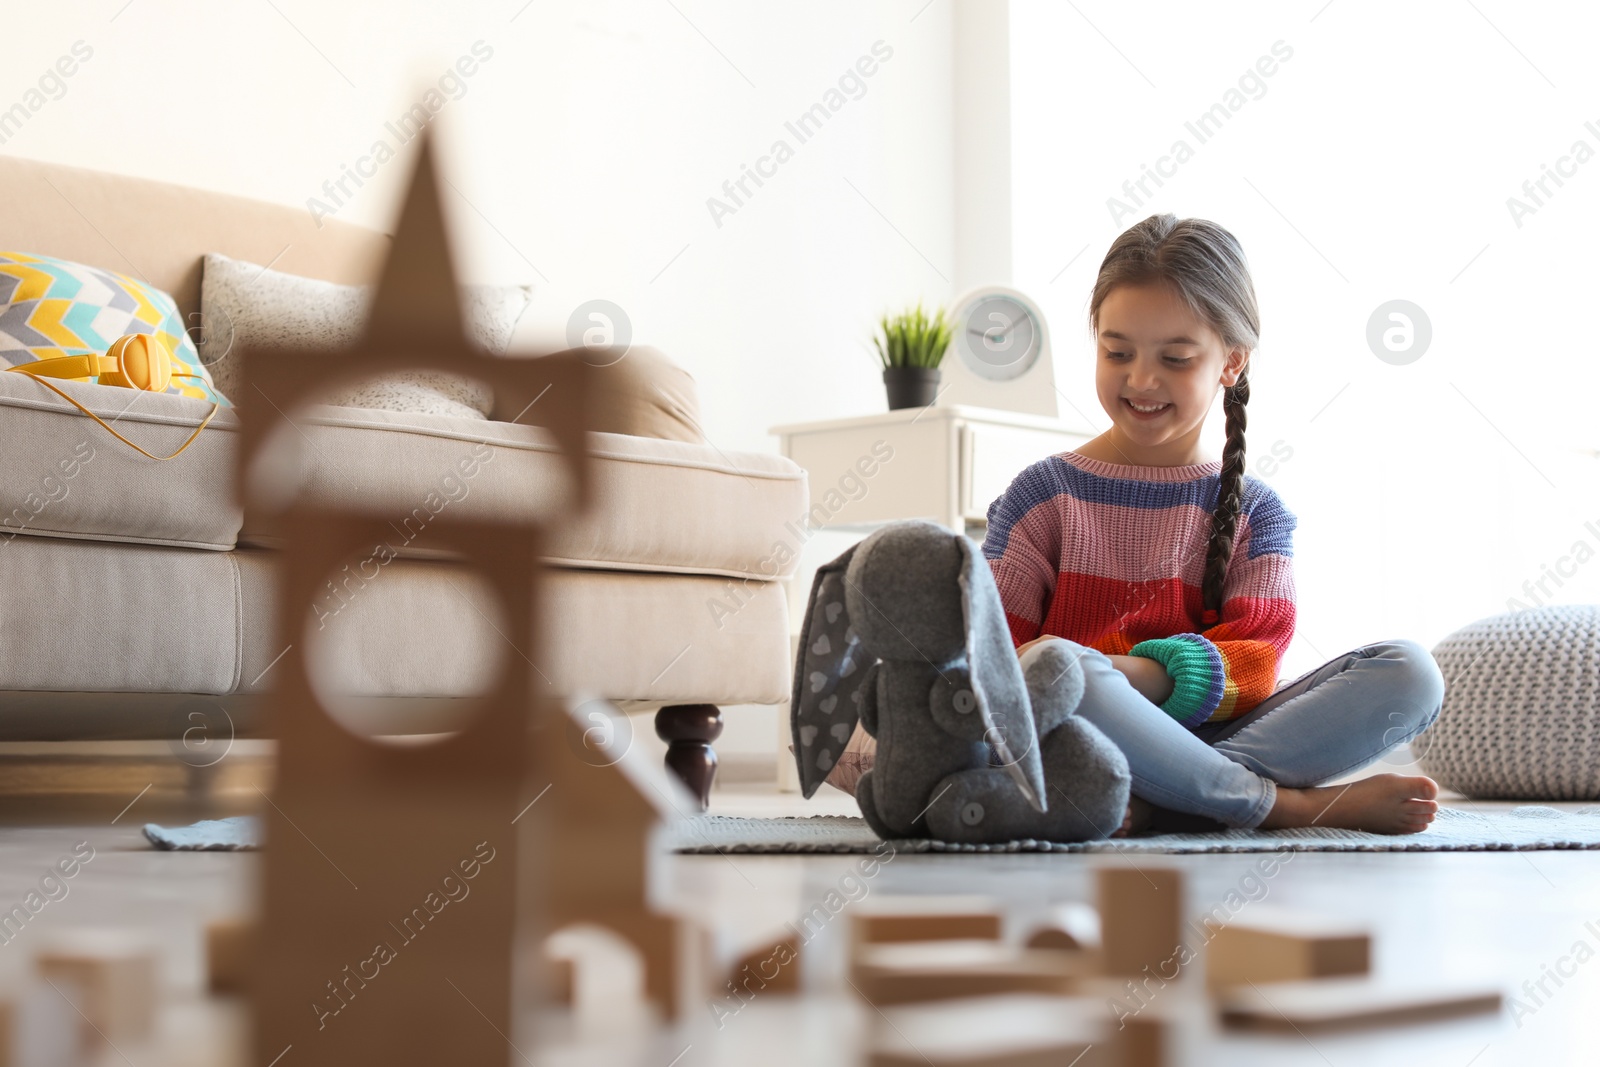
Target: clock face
[998, 336]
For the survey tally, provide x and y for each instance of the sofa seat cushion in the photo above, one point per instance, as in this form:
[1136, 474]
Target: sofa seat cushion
[65, 476]
[660, 505]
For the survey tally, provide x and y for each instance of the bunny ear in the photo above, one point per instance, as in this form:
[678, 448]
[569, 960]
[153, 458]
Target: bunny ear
[829, 668]
[997, 682]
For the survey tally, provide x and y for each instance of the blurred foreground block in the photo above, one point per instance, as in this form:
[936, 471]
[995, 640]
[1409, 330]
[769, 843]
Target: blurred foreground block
[111, 978]
[1342, 1003]
[940, 970]
[230, 954]
[1002, 1031]
[1072, 927]
[39, 1028]
[1141, 919]
[772, 968]
[1279, 946]
[879, 920]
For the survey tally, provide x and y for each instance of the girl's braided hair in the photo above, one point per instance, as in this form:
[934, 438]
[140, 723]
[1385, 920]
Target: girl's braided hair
[1206, 267]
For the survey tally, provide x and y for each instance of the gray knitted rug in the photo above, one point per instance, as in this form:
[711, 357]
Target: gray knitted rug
[1528, 828]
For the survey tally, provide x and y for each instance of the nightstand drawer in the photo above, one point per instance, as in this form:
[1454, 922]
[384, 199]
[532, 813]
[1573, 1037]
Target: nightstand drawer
[869, 475]
[940, 463]
[993, 455]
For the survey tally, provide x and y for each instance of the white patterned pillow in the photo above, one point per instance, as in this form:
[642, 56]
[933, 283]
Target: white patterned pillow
[245, 304]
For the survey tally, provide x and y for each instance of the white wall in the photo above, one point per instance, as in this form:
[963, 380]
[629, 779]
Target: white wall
[1376, 165]
[589, 143]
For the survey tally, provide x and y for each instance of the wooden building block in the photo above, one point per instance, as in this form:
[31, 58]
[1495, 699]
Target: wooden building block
[111, 978]
[673, 953]
[1145, 1042]
[1151, 1024]
[1141, 920]
[560, 979]
[580, 966]
[1020, 1030]
[608, 801]
[1159, 1035]
[10, 1024]
[1345, 1003]
[772, 968]
[230, 954]
[939, 970]
[1279, 946]
[39, 1028]
[881, 920]
[1072, 927]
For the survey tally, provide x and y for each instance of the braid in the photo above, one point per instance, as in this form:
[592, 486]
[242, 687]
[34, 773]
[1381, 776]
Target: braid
[1229, 495]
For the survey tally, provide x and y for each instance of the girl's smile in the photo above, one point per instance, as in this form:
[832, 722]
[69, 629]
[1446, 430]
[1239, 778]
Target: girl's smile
[1142, 411]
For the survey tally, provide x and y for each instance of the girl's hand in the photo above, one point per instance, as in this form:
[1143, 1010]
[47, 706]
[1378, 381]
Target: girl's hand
[1036, 641]
[1148, 676]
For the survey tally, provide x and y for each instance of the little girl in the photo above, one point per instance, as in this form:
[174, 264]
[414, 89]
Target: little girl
[1170, 575]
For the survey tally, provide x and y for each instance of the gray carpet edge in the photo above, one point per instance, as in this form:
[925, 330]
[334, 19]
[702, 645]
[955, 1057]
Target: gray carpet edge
[1522, 829]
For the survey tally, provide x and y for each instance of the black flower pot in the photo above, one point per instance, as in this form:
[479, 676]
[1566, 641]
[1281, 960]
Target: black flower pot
[911, 387]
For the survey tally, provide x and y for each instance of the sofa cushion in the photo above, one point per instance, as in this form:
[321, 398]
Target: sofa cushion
[424, 629]
[65, 476]
[643, 394]
[87, 617]
[244, 305]
[660, 505]
[50, 308]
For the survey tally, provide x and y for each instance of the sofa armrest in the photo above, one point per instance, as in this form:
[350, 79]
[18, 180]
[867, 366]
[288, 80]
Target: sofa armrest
[643, 394]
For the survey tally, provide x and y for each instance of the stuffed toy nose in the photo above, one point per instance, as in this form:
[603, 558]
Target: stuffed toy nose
[143, 362]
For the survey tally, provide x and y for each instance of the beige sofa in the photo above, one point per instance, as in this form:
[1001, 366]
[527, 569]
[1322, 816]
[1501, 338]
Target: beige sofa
[135, 595]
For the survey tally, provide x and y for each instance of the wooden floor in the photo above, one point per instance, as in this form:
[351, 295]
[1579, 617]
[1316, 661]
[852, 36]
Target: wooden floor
[1505, 918]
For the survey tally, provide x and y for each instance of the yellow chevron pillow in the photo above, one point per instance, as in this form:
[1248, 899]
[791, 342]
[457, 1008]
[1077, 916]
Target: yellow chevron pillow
[51, 308]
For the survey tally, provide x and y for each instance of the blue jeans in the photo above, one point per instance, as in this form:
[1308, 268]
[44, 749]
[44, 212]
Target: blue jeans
[1332, 720]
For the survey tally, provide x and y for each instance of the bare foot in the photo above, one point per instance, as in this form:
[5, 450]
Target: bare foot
[1137, 820]
[1381, 804]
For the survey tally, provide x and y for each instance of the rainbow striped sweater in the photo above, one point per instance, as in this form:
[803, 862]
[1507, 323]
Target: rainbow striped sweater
[1111, 556]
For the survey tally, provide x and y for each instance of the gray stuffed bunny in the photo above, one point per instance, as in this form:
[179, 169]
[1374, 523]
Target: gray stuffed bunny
[1086, 775]
[905, 633]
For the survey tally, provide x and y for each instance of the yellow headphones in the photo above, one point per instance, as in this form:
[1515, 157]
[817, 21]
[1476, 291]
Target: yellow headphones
[137, 361]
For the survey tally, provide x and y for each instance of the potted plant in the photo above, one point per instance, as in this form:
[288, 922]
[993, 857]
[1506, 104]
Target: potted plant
[911, 345]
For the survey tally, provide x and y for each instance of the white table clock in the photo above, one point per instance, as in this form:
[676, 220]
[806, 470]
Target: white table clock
[999, 354]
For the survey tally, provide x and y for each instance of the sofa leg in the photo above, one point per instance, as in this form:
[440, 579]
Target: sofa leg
[688, 730]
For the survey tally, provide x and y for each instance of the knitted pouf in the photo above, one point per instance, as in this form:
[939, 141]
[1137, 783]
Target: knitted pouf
[1521, 715]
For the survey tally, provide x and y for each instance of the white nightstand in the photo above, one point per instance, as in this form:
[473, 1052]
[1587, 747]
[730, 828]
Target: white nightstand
[946, 464]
